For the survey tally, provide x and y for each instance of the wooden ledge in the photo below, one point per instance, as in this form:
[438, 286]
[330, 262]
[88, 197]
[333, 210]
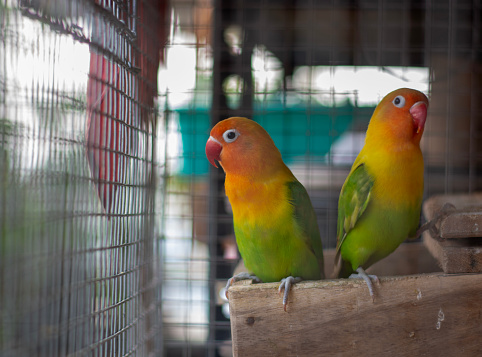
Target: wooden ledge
[458, 248]
[416, 315]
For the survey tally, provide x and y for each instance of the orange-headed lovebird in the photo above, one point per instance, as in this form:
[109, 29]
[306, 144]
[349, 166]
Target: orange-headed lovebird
[274, 221]
[380, 201]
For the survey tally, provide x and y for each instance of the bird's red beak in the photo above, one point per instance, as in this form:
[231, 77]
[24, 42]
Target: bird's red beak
[418, 111]
[213, 150]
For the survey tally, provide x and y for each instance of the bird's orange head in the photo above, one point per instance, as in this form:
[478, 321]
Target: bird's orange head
[400, 115]
[243, 147]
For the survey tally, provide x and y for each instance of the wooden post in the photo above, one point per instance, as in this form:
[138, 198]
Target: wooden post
[418, 315]
[458, 247]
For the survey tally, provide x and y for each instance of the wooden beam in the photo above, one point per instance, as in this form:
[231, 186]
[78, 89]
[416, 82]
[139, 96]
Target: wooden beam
[464, 222]
[418, 315]
[456, 256]
[458, 246]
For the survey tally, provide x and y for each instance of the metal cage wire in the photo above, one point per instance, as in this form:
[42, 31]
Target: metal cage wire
[79, 259]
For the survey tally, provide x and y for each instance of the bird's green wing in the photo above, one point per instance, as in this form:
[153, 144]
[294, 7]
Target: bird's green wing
[306, 217]
[354, 199]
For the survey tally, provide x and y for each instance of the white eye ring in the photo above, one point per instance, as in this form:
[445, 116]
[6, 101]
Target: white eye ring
[230, 135]
[399, 101]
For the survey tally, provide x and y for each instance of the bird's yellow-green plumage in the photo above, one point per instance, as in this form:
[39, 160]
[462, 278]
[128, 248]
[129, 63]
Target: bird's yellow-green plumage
[380, 201]
[274, 221]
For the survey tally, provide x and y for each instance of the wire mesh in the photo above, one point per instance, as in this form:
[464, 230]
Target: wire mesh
[79, 259]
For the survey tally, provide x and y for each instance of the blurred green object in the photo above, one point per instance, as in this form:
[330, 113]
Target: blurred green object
[298, 131]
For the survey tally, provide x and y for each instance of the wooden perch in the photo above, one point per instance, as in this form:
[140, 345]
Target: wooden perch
[464, 222]
[458, 246]
[418, 315]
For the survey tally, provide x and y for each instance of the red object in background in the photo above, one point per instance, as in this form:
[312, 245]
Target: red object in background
[111, 104]
[102, 131]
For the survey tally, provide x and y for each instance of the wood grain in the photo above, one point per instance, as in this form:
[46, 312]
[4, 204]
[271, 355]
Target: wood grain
[456, 256]
[418, 315]
[465, 222]
[458, 246]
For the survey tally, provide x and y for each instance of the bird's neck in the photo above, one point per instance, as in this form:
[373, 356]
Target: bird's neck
[242, 189]
[398, 170]
[384, 134]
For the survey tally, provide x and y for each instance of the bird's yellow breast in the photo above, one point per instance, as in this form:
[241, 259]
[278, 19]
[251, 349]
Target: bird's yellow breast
[263, 203]
[398, 175]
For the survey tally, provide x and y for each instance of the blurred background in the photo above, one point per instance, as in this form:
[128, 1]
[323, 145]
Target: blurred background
[115, 234]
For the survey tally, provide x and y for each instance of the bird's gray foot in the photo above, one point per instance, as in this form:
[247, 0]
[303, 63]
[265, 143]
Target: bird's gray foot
[286, 285]
[368, 279]
[241, 276]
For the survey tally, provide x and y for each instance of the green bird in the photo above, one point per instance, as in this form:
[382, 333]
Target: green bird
[274, 221]
[380, 201]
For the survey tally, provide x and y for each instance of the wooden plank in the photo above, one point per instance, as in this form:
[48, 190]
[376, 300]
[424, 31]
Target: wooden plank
[465, 222]
[458, 248]
[422, 315]
[456, 256]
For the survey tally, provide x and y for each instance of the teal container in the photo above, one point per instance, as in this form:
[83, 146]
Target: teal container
[298, 131]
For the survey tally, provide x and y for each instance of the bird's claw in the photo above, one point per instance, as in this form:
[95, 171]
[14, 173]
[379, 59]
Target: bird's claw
[433, 225]
[368, 280]
[239, 277]
[285, 285]
[446, 209]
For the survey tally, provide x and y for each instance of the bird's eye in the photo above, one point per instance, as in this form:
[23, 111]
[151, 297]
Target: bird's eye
[230, 135]
[399, 101]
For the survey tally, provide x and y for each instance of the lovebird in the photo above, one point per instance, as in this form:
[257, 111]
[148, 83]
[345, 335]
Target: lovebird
[274, 221]
[380, 201]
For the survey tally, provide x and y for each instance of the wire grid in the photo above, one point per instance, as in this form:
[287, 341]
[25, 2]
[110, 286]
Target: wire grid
[79, 261]
[311, 73]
